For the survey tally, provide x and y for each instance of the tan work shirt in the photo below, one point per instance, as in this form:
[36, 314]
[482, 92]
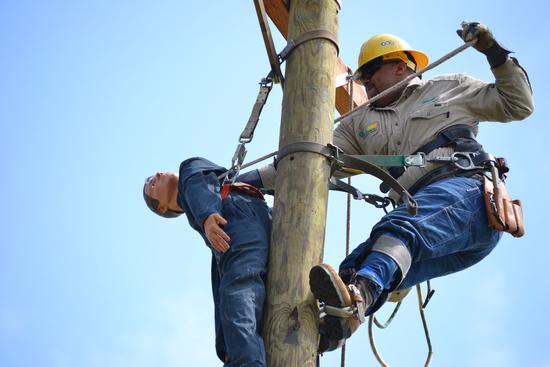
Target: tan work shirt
[427, 107]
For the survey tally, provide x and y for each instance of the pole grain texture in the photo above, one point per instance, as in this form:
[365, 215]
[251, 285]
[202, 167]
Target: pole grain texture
[300, 205]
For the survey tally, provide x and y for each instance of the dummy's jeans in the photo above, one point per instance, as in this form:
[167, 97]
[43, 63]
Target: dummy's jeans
[238, 281]
[449, 233]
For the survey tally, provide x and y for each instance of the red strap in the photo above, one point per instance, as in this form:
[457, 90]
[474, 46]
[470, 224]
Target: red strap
[226, 188]
[242, 187]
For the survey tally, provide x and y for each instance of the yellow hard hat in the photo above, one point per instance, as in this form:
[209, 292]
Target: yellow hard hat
[389, 47]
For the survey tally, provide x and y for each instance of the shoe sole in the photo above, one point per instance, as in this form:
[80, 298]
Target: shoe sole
[327, 287]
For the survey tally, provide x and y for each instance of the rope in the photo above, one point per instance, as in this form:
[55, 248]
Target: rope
[348, 207]
[421, 306]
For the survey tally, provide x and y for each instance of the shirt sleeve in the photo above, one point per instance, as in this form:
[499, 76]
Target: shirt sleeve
[201, 193]
[199, 189]
[344, 137]
[508, 99]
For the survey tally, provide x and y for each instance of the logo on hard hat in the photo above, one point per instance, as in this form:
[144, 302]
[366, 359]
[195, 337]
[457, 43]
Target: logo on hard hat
[386, 43]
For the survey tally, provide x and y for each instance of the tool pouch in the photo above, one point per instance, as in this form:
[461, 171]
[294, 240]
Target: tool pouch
[503, 214]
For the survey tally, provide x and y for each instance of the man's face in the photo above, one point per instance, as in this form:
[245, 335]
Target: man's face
[382, 78]
[162, 187]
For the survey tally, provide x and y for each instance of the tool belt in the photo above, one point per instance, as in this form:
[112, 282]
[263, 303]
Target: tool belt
[503, 213]
[242, 188]
[470, 160]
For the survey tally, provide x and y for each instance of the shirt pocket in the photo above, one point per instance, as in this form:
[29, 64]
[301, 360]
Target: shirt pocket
[431, 114]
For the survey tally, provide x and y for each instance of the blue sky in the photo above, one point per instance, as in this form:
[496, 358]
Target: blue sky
[96, 95]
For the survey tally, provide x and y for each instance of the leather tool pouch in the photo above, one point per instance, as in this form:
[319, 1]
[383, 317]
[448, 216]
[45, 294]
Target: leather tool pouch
[503, 214]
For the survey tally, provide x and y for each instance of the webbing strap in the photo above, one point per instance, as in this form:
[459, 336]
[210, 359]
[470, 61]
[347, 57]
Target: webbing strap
[308, 36]
[328, 151]
[343, 161]
[268, 40]
[248, 132]
[444, 138]
[447, 137]
[418, 159]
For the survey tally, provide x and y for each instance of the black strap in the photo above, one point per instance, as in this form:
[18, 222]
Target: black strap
[462, 136]
[308, 36]
[447, 137]
[439, 174]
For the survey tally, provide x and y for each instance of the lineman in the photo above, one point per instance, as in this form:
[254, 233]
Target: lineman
[437, 117]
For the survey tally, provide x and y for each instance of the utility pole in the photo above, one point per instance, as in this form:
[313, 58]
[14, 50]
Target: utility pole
[301, 188]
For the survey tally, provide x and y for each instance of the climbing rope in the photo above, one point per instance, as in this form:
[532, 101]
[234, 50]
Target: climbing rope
[348, 205]
[422, 303]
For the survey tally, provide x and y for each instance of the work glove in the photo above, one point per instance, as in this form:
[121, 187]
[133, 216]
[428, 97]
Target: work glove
[486, 43]
[472, 30]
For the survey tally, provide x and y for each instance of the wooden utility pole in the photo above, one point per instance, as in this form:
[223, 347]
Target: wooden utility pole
[299, 214]
[278, 11]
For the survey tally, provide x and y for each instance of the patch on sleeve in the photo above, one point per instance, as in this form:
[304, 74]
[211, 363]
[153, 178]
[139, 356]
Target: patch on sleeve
[371, 128]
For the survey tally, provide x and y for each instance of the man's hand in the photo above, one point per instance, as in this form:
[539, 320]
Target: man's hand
[215, 234]
[472, 30]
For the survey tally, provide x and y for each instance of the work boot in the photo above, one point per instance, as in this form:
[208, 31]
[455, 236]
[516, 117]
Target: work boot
[344, 306]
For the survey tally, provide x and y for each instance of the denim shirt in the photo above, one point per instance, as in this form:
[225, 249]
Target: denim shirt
[199, 190]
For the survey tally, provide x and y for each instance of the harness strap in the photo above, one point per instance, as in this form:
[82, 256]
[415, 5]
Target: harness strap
[328, 151]
[447, 137]
[268, 40]
[308, 36]
[444, 138]
[344, 161]
[265, 87]
[241, 187]
[439, 174]
[463, 164]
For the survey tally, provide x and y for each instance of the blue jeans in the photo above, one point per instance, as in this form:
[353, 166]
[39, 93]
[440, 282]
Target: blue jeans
[449, 233]
[238, 281]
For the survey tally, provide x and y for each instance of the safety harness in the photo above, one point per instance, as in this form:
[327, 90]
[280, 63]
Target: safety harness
[241, 187]
[468, 159]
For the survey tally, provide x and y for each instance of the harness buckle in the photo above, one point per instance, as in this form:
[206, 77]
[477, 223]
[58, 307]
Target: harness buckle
[462, 160]
[418, 160]
[335, 155]
[236, 163]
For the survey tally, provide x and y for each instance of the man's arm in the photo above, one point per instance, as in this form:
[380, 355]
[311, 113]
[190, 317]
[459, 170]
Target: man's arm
[510, 97]
[199, 195]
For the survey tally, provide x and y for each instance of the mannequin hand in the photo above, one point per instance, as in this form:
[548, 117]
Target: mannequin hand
[215, 234]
